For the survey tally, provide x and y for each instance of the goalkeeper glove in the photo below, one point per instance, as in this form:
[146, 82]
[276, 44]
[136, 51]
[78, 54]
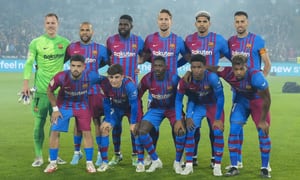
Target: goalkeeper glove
[24, 98]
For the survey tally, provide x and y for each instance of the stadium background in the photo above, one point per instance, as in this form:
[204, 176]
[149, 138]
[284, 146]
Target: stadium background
[278, 21]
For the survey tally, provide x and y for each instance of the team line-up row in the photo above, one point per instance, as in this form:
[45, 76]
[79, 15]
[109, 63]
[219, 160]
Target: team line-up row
[86, 96]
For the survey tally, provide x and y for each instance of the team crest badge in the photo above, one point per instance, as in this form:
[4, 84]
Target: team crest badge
[85, 86]
[248, 45]
[60, 46]
[95, 52]
[172, 46]
[169, 88]
[206, 87]
[248, 87]
[134, 46]
[211, 44]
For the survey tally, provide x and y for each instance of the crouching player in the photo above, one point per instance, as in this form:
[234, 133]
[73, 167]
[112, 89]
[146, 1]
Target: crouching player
[161, 85]
[205, 99]
[72, 101]
[252, 97]
[120, 99]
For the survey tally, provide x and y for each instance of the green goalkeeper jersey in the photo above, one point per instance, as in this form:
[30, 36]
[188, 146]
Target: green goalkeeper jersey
[48, 54]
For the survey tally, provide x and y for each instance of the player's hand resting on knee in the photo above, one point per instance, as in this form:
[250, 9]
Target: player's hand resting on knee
[179, 129]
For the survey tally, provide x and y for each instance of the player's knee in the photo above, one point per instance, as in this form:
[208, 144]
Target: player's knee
[54, 134]
[104, 132]
[235, 128]
[142, 131]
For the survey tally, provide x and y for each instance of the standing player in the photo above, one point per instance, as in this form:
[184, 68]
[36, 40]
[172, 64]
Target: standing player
[167, 44]
[120, 99]
[95, 57]
[72, 101]
[161, 85]
[205, 99]
[47, 52]
[125, 49]
[253, 47]
[213, 46]
[252, 97]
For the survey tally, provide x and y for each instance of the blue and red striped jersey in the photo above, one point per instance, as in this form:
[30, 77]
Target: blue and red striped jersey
[124, 97]
[249, 46]
[163, 92]
[213, 47]
[125, 52]
[169, 47]
[247, 87]
[209, 90]
[73, 93]
[95, 55]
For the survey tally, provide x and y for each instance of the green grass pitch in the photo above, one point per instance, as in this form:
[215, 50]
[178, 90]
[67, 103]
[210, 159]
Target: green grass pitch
[17, 153]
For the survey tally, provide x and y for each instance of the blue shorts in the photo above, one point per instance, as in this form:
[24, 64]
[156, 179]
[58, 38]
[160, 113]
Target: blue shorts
[117, 115]
[82, 116]
[201, 111]
[156, 116]
[96, 105]
[243, 108]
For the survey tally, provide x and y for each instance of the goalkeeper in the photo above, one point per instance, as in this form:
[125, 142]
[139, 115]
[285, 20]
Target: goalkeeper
[47, 52]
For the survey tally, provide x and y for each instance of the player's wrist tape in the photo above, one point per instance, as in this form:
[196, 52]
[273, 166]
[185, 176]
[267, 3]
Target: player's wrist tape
[55, 108]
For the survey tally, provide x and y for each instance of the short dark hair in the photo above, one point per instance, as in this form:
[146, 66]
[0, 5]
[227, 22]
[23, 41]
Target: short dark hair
[198, 58]
[241, 13]
[160, 58]
[52, 15]
[77, 57]
[127, 17]
[239, 59]
[166, 11]
[115, 69]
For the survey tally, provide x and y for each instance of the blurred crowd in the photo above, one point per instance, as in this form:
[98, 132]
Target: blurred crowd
[276, 21]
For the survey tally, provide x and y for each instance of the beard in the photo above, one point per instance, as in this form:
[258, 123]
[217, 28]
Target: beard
[164, 30]
[85, 39]
[76, 74]
[242, 31]
[124, 33]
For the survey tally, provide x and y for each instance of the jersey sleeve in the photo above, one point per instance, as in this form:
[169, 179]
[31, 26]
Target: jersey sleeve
[140, 45]
[190, 108]
[31, 56]
[133, 101]
[223, 72]
[103, 56]
[217, 86]
[260, 43]
[259, 82]
[142, 87]
[55, 82]
[224, 47]
[182, 48]
[179, 98]
[108, 46]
